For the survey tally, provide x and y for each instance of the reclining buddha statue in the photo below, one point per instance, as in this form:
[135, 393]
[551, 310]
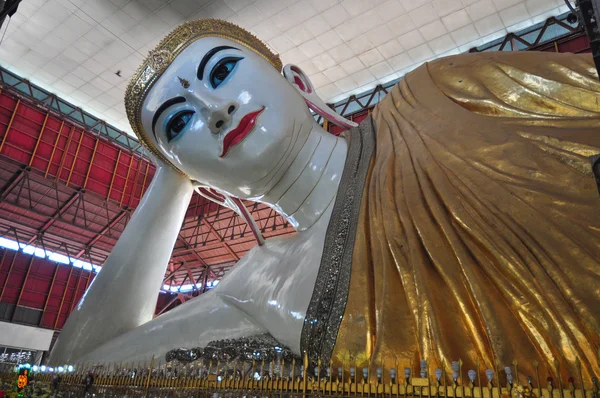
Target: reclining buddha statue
[461, 220]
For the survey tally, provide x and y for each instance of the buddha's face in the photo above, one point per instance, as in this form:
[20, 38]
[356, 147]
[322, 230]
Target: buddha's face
[224, 116]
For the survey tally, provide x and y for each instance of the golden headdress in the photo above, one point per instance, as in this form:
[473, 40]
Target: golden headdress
[159, 59]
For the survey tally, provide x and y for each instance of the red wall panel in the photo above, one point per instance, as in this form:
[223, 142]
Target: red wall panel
[66, 153]
[50, 287]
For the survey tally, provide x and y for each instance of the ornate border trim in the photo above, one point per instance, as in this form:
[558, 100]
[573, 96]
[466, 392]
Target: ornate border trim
[328, 302]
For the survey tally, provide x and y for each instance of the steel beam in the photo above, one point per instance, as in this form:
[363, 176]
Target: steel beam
[37, 143]
[22, 287]
[13, 182]
[57, 214]
[167, 305]
[49, 293]
[126, 181]
[10, 267]
[220, 239]
[145, 178]
[54, 105]
[63, 157]
[135, 179]
[75, 157]
[192, 249]
[62, 124]
[62, 299]
[114, 173]
[166, 278]
[189, 273]
[87, 173]
[114, 222]
[205, 280]
[75, 291]
[12, 118]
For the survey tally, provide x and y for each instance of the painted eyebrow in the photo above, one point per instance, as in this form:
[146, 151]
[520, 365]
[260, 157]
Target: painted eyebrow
[208, 56]
[167, 104]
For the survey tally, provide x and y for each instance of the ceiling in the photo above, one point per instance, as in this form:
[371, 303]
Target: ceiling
[74, 48]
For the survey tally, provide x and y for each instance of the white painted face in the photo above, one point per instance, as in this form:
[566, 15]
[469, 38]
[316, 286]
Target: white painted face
[224, 116]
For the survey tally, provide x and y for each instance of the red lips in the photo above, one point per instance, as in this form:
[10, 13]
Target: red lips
[236, 135]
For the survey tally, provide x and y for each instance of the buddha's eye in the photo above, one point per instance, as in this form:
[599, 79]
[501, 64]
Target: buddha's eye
[222, 69]
[177, 124]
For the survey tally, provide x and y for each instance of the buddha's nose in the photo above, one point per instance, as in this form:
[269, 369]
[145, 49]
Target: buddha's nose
[221, 117]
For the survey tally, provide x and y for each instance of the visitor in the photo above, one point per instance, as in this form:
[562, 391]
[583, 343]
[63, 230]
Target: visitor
[55, 384]
[88, 382]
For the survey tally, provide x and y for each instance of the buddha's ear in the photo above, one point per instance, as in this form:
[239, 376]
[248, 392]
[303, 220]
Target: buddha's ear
[297, 78]
[232, 203]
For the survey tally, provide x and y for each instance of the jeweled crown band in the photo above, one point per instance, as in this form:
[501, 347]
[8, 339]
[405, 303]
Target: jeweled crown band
[164, 54]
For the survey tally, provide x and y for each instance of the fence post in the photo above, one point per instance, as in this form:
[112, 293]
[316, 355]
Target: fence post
[147, 386]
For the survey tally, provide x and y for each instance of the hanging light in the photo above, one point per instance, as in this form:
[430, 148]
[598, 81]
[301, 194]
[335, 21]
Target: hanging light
[472, 374]
[455, 369]
[407, 374]
[489, 374]
[438, 374]
[423, 364]
[509, 375]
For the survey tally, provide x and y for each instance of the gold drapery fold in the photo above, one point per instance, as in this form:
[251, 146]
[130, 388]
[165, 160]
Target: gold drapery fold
[479, 231]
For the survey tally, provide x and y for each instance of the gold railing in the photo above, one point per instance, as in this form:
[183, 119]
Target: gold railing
[258, 378]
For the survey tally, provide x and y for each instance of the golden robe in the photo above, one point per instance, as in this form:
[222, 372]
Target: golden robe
[478, 236]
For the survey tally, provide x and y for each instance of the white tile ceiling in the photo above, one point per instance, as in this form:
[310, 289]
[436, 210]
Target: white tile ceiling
[75, 47]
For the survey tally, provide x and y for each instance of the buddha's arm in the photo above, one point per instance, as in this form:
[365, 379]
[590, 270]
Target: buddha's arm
[123, 295]
[190, 325]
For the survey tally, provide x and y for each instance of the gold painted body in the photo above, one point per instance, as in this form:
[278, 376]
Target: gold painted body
[479, 233]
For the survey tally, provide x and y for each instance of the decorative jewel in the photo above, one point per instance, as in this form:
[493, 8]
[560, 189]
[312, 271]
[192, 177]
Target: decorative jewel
[262, 347]
[159, 59]
[184, 83]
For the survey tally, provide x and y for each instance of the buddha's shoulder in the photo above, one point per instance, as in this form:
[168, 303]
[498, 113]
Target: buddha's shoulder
[525, 60]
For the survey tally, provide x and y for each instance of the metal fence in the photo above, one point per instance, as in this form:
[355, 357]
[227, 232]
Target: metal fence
[277, 378]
